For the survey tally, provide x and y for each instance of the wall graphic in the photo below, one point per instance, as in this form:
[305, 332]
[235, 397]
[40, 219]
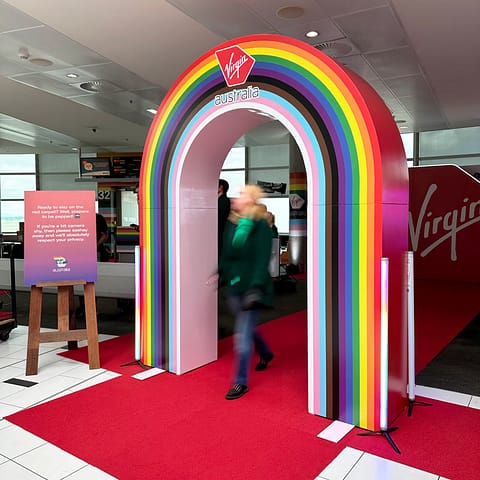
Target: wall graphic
[357, 188]
[444, 223]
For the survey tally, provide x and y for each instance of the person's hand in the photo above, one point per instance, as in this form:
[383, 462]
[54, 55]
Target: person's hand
[212, 280]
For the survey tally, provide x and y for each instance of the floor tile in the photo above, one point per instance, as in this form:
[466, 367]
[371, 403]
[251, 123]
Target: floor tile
[17, 337]
[475, 403]
[6, 410]
[16, 354]
[7, 389]
[50, 462]
[103, 377]
[443, 395]
[10, 372]
[39, 393]
[7, 348]
[345, 461]
[90, 473]
[82, 372]
[51, 368]
[14, 471]
[3, 459]
[5, 362]
[371, 466]
[4, 424]
[335, 431]
[15, 441]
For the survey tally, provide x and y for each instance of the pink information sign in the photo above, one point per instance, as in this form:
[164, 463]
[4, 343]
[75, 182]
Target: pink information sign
[60, 236]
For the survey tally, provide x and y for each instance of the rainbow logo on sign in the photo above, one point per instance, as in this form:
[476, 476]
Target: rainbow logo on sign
[356, 170]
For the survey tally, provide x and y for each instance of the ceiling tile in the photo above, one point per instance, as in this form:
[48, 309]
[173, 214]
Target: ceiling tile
[314, 18]
[325, 27]
[112, 106]
[39, 42]
[358, 64]
[118, 75]
[373, 30]
[342, 7]
[13, 19]
[43, 82]
[409, 86]
[231, 22]
[154, 95]
[9, 67]
[399, 62]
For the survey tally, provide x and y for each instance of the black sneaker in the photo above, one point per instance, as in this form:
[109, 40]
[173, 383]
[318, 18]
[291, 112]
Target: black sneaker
[263, 363]
[236, 391]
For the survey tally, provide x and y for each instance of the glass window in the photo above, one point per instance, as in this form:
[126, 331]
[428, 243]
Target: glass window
[235, 158]
[269, 156]
[460, 141]
[235, 179]
[129, 208]
[17, 163]
[280, 207]
[452, 160]
[17, 175]
[407, 139]
[14, 186]
[12, 215]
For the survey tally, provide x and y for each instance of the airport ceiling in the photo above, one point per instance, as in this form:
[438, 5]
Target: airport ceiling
[421, 56]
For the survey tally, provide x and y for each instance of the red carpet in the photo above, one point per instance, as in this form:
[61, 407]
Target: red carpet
[114, 354]
[176, 427]
[179, 427]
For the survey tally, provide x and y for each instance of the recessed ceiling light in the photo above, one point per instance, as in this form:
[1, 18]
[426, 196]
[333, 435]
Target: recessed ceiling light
[312, 34]
[71, 75]
[41, 62]
[151, 110]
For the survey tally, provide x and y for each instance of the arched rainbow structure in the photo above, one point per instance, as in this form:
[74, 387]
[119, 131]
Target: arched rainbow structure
[357, 214]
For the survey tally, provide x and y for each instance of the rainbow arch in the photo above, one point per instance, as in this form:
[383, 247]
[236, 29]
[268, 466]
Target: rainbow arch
[357, 177]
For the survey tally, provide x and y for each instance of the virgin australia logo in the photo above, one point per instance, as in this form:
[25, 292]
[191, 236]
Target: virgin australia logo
[236, 65]
[447, 225]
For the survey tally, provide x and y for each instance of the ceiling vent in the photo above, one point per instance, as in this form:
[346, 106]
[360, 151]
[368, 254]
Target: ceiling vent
[334, 49]
[99, 86]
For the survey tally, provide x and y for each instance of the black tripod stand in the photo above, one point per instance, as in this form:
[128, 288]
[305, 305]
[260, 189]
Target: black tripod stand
[135, 362]
[385, 433]
[412, 403]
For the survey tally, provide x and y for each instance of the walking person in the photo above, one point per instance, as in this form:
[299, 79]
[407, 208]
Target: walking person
[244, 270]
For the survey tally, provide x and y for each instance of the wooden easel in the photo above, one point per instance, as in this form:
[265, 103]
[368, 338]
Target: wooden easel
[64, 302]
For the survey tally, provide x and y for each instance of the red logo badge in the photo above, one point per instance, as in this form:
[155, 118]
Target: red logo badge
[236, 65]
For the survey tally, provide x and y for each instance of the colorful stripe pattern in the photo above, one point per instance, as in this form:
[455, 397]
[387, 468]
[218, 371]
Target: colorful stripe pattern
[319, 103]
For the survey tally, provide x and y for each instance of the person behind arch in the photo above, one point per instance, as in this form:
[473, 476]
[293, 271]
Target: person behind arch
[271, 222]
[102, 236]
[223, 210]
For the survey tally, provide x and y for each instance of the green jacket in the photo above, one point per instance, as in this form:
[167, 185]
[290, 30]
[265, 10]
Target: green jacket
[245, 258]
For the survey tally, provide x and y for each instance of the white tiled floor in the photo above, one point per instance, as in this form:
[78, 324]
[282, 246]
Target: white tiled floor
[24, 456]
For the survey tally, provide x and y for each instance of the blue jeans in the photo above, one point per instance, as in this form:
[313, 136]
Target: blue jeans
[245, 335]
